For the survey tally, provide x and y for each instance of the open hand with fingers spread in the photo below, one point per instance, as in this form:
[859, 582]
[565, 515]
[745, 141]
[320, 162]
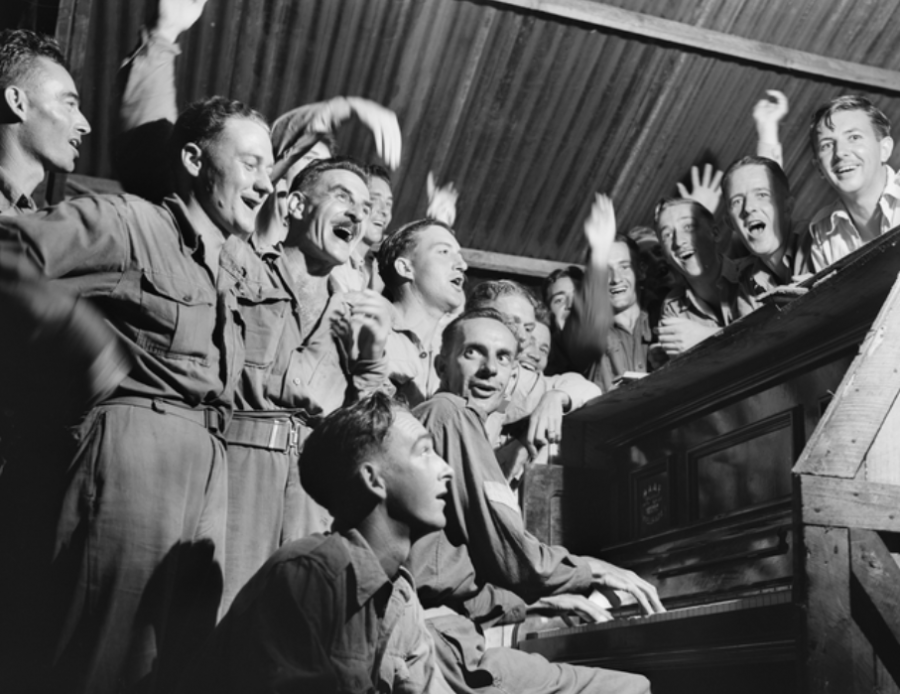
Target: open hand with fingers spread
[441, 201]
[706, 190]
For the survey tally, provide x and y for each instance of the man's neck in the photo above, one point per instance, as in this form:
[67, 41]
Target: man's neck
[863, 207]
[24, 172]
[418, 316]
[388, 539]
[705, 288]
[775, 261]
[627, 318]
[212, 236]
[309, 278]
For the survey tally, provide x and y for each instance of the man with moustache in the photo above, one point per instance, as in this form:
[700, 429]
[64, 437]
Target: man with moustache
[308, 351]
[112, 546]
[713, 294]
[851, 141]
[484, 525]
[41, 127]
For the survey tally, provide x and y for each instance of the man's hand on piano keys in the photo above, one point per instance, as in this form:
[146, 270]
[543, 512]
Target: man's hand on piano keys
[607, 575]
[568, 603]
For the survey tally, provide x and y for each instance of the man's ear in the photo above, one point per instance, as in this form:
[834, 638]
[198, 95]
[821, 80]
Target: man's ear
[440, 365]
[403, 268]
[296, 204]
[15, 102]
[192, 159]
[818, 167]
[887, 148]
[373, 480]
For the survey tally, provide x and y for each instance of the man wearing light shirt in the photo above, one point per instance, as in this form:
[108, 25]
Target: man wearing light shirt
[851, 139]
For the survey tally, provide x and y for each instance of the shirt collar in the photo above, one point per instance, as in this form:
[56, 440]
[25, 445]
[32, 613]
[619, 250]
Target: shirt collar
[14, 195]
[890, 196]
[189, 234]
[369, 574]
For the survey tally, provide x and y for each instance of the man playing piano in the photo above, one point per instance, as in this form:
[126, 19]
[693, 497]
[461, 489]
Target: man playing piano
[484, 524]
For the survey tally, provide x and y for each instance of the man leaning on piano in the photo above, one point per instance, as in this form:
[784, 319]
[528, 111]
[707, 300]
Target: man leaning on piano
[484, 525]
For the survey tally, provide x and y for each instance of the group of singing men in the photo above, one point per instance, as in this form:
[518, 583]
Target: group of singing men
[250, 441]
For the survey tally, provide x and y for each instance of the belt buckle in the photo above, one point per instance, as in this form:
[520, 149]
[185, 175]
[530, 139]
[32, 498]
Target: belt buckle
[213, 420]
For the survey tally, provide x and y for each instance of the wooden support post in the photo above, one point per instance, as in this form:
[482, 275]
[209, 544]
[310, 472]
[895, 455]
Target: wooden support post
[827, 657]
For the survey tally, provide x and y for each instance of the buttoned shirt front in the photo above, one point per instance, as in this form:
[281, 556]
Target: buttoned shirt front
[626, 350]
[12, 200]
[732, 298]
[321, 615]
[143, 266]
[833, 233]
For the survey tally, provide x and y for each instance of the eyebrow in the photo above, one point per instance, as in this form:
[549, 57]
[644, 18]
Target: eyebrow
[424, 438]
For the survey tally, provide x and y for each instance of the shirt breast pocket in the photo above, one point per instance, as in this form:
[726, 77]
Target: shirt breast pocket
[264, 313]
[177, 315]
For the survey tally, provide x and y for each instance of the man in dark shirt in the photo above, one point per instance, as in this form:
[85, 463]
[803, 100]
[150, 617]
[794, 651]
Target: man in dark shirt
[484, 524]
[338, 613]
[41, 126]
[112, 531]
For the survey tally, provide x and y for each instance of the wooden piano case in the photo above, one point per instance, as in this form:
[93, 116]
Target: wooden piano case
[760, 468]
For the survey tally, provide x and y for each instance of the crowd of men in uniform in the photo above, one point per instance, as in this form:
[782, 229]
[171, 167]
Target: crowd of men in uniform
[252, 440]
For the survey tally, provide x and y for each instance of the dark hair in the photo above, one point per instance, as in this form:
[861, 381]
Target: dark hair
[203, 121]
[825, 114]
[343, 440]
[573, 272]
[634, 251]
[306, 179]
[398, 245]
[770, 165]
[666, 203]
[485, 294]
[378, 171]
[19, 49]
[448, 336]
[542, 314]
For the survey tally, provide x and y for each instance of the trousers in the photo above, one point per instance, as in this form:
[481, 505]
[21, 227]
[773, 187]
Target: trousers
[115, 576]
[469, 666]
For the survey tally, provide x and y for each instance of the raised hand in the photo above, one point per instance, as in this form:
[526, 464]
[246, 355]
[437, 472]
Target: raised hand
[600, 226]
[177, 16]
[771, 110]
[706, 190]
[385, 128]
[441, 201]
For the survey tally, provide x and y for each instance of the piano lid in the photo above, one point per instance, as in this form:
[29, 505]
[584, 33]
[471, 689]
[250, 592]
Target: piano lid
[756, 351]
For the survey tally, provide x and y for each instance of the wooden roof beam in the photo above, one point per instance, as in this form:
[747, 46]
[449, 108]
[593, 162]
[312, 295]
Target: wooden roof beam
[709, 41]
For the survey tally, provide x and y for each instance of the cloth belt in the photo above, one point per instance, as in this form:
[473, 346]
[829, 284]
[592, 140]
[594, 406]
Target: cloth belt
[210, 418]
[271, 431]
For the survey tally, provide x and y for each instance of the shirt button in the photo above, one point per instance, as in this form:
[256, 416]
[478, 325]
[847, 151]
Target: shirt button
[423, 355]
[297, 381]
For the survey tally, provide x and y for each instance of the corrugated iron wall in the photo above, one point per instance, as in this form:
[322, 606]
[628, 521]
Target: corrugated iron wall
[527, 114]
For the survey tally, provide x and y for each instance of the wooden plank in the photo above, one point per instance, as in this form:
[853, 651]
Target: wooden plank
[878, 576]
[884, 455]
[827, 662]
[511, 264]
[708, 41]
[866, 395]
[850, 503]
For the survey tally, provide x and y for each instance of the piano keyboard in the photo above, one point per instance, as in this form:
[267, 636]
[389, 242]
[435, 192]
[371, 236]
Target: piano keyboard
[755, 628]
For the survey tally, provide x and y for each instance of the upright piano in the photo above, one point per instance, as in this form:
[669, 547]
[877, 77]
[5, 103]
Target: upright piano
[755, 481]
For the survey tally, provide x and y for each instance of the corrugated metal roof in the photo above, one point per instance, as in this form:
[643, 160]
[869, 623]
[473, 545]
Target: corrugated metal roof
[526, 113]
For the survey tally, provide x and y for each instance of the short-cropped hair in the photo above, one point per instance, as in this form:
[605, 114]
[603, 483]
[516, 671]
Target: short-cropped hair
[307, 179]
[573, 272]
[880, 122]
[448, 337]
[398, 245]
[378, 171]
[19, 49]
[695, 206]
[485, 294]
[770, 165]
[203, 121]
[336, 448]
